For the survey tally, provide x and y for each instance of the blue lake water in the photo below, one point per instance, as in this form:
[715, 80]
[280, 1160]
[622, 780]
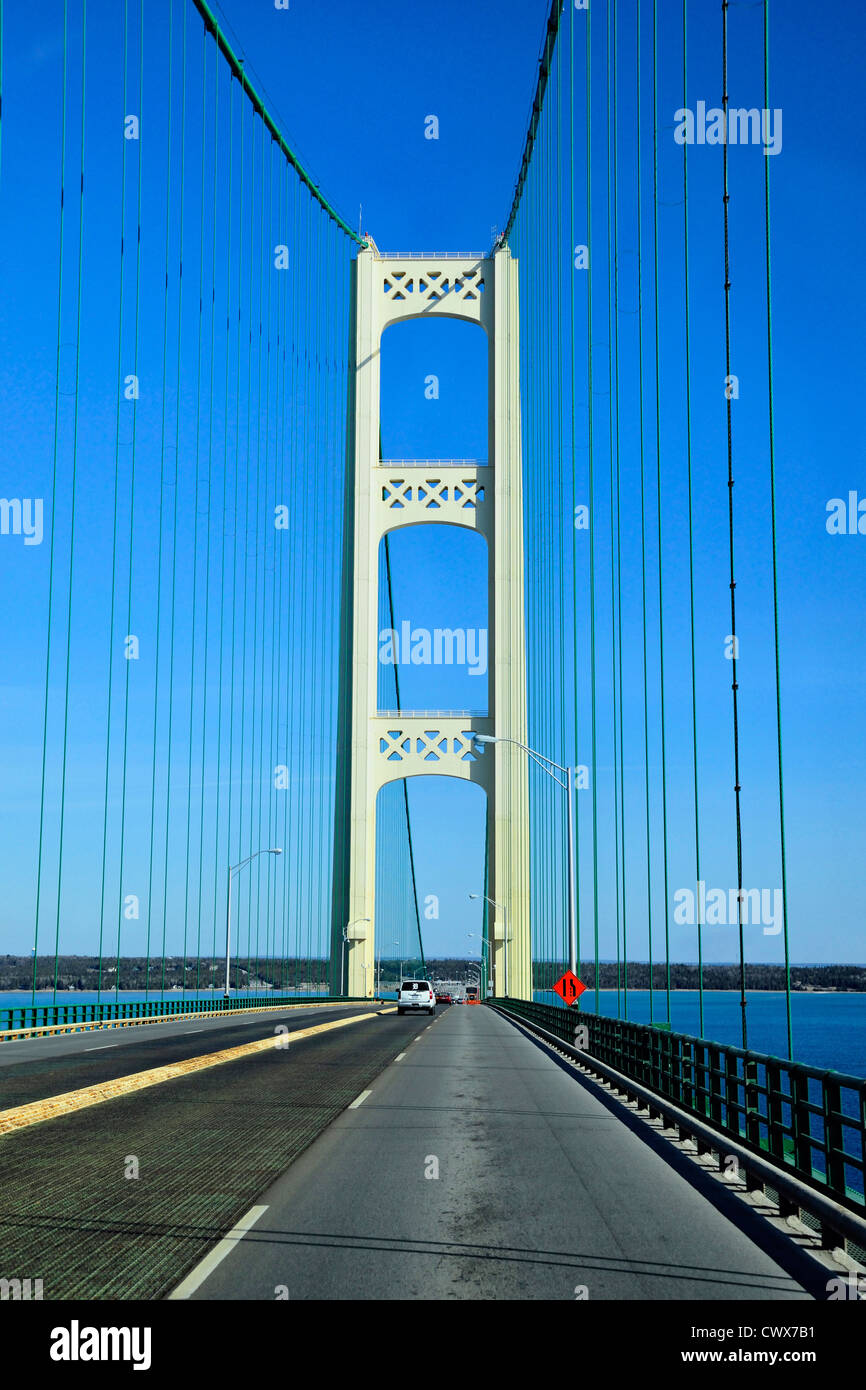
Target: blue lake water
[829, 1029]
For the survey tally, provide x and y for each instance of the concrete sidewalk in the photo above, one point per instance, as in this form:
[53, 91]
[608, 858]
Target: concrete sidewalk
[542, 1193]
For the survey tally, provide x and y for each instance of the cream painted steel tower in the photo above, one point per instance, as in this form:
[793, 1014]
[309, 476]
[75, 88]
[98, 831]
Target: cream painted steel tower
[375, 747]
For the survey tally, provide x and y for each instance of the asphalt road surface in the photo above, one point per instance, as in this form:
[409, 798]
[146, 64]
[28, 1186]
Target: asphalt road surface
[478, 1167]
[121, 1199]
[48, 1066]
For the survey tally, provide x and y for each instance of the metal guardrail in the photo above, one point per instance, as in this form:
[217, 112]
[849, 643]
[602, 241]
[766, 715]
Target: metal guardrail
[20, 1018]
[800, 1119]
[391, 464]
[431, 714]
[434, 255]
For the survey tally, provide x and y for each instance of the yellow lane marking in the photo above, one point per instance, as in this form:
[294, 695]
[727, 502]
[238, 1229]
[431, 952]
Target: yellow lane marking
[53, 1106]
[92, 1025]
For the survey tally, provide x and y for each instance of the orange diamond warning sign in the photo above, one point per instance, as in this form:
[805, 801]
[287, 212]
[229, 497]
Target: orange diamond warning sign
[569, 987]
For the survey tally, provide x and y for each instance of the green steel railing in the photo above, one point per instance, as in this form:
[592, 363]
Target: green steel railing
[806, 1120]
[57, 1015]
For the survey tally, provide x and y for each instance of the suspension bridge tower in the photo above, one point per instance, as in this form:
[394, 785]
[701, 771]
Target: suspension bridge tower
[376, 747]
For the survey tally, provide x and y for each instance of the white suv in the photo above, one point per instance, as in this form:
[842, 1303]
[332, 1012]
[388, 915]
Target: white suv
[415, 995]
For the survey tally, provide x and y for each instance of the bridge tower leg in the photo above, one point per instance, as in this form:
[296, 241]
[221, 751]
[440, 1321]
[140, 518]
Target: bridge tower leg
[376, 747]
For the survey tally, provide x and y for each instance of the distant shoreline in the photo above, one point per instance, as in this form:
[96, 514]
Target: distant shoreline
[175, 975]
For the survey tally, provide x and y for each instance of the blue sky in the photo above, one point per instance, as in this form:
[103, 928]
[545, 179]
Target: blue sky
[352, 86]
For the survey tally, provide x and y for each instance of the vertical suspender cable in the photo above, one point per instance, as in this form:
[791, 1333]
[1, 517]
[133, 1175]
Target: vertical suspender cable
[219, 876]
[161, 511]
[619, 507]
[556, 260]
[210, 464]
[129, 585]
[260, 864]
[292, 878]
[664, 785]
[640, 335]
[592, 515]
[271, 387]
[209, 513]
[73, 499]
[688, 395]
[772, 447]
[170, 731]
[729, 413]
[2, 27]
[195, 542]
[612, 423]
[55, 449]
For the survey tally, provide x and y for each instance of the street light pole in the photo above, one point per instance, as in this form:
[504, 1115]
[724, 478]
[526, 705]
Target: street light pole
[233, 869]
[500, 907]
[572, 878]
[491, 964]
[568, 785]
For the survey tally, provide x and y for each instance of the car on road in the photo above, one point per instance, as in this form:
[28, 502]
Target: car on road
[415, 995]
[444, 999]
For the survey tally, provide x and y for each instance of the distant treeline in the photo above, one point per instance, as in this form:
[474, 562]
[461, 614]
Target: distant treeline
[293, 973]
[137, 973]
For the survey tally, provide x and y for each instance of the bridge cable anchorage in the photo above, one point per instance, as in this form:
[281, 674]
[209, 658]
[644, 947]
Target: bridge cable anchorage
[730, 452]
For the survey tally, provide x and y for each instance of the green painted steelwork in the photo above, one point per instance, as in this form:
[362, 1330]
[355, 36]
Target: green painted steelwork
[58, 1015]
[237, 67]
[535, 114]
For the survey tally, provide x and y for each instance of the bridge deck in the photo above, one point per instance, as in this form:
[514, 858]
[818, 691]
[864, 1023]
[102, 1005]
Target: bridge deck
[541, 1189]
[74, 1214]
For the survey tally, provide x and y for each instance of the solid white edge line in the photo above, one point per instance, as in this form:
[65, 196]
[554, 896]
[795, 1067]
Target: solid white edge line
[206, 1267]
[359, 1100]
